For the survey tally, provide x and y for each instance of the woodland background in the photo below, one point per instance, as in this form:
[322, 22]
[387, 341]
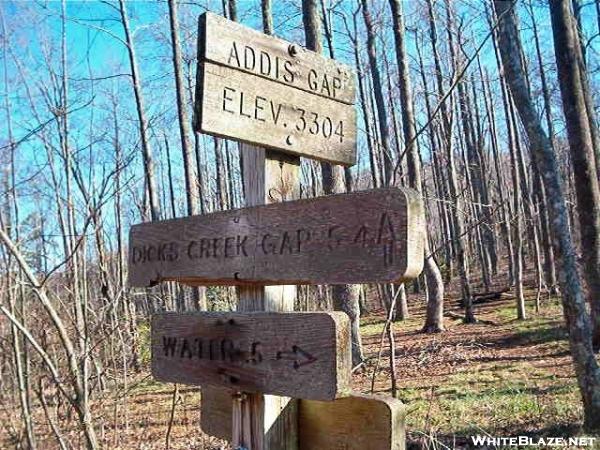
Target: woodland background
[488, 108]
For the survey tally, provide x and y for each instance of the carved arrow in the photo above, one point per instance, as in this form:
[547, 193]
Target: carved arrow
[296, 353]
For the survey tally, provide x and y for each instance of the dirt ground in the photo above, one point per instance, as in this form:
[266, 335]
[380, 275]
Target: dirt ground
[500, 377]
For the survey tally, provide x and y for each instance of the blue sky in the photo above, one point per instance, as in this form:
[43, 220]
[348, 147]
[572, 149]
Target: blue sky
[95, 52]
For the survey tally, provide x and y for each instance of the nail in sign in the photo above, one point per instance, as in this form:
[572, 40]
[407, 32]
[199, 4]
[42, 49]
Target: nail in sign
[303, 355]
[363, 237]
[265, 91]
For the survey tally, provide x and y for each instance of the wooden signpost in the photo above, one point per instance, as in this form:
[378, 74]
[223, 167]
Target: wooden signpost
[357, 422]
[302, 355]
[291, 102]
[277, 94]
[364, 237]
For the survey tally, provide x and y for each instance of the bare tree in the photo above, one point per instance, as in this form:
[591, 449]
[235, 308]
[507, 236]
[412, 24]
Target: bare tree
[576, 316]
[549, 263]
[9, 218]
[184, 123]
[457, 220]
[384, 133]
[566, 48]
[434, 321]
[78, 399]
[151, 185]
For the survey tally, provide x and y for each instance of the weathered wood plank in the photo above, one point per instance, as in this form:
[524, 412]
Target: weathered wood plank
[216, 411]
[303, 355]
[274, 115]
[363, 237]
[357, 422]
[230, 44]
[268, 422]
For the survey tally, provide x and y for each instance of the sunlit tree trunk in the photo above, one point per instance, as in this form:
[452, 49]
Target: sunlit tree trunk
[458, 225]
[378, 94]
[434, 321]
[566, 48]
[151, 184]
[184, 123]
[573, 299]
[549, 264]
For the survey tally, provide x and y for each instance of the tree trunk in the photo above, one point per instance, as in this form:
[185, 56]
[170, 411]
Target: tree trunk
[267, 17]
[232, 10]
[440, 182]
[549, 263]
[499, 177]
[518, 234]
[365, 115]
[435, 287]
[457, 222]
[585, 84]
[378, 93]
[573, 300]
[582, 151]
[143, 123]
[10, 218]
[184, 123]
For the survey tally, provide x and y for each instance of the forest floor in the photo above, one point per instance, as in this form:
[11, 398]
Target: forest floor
[500, 376]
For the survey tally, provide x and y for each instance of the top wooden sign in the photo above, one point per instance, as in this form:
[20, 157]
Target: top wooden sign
[230, 44]
[265, 91]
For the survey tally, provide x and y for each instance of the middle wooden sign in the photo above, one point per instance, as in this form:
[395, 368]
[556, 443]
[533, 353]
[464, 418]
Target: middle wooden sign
[303, 355]
[363, 237]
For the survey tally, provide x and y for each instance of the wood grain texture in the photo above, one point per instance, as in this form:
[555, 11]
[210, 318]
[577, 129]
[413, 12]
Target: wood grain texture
[357, 422]
[230, 44]
[268, 422]
[274, 115]
[216, 411]
[303, 355]
[269, 177]
[363, 237]
[360, 422]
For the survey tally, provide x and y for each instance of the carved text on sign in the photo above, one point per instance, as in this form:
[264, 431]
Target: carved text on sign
[285, 70]
[225, 349]
[233, 45]
[371, 236]
[277, 94]
[306, 355]
[274, 115]
[282, 243]
[245, 106]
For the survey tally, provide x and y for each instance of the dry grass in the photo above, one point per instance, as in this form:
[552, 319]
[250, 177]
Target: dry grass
[499, 376]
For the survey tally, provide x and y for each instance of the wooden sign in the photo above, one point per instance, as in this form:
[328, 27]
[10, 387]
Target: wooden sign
[354, 423]
[357, 422]
[303, 355]
[265, 91]
[244, 49]
[363, 237]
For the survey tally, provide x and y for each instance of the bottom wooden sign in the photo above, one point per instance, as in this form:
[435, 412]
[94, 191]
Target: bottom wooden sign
[302, 355]
[358, 422]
